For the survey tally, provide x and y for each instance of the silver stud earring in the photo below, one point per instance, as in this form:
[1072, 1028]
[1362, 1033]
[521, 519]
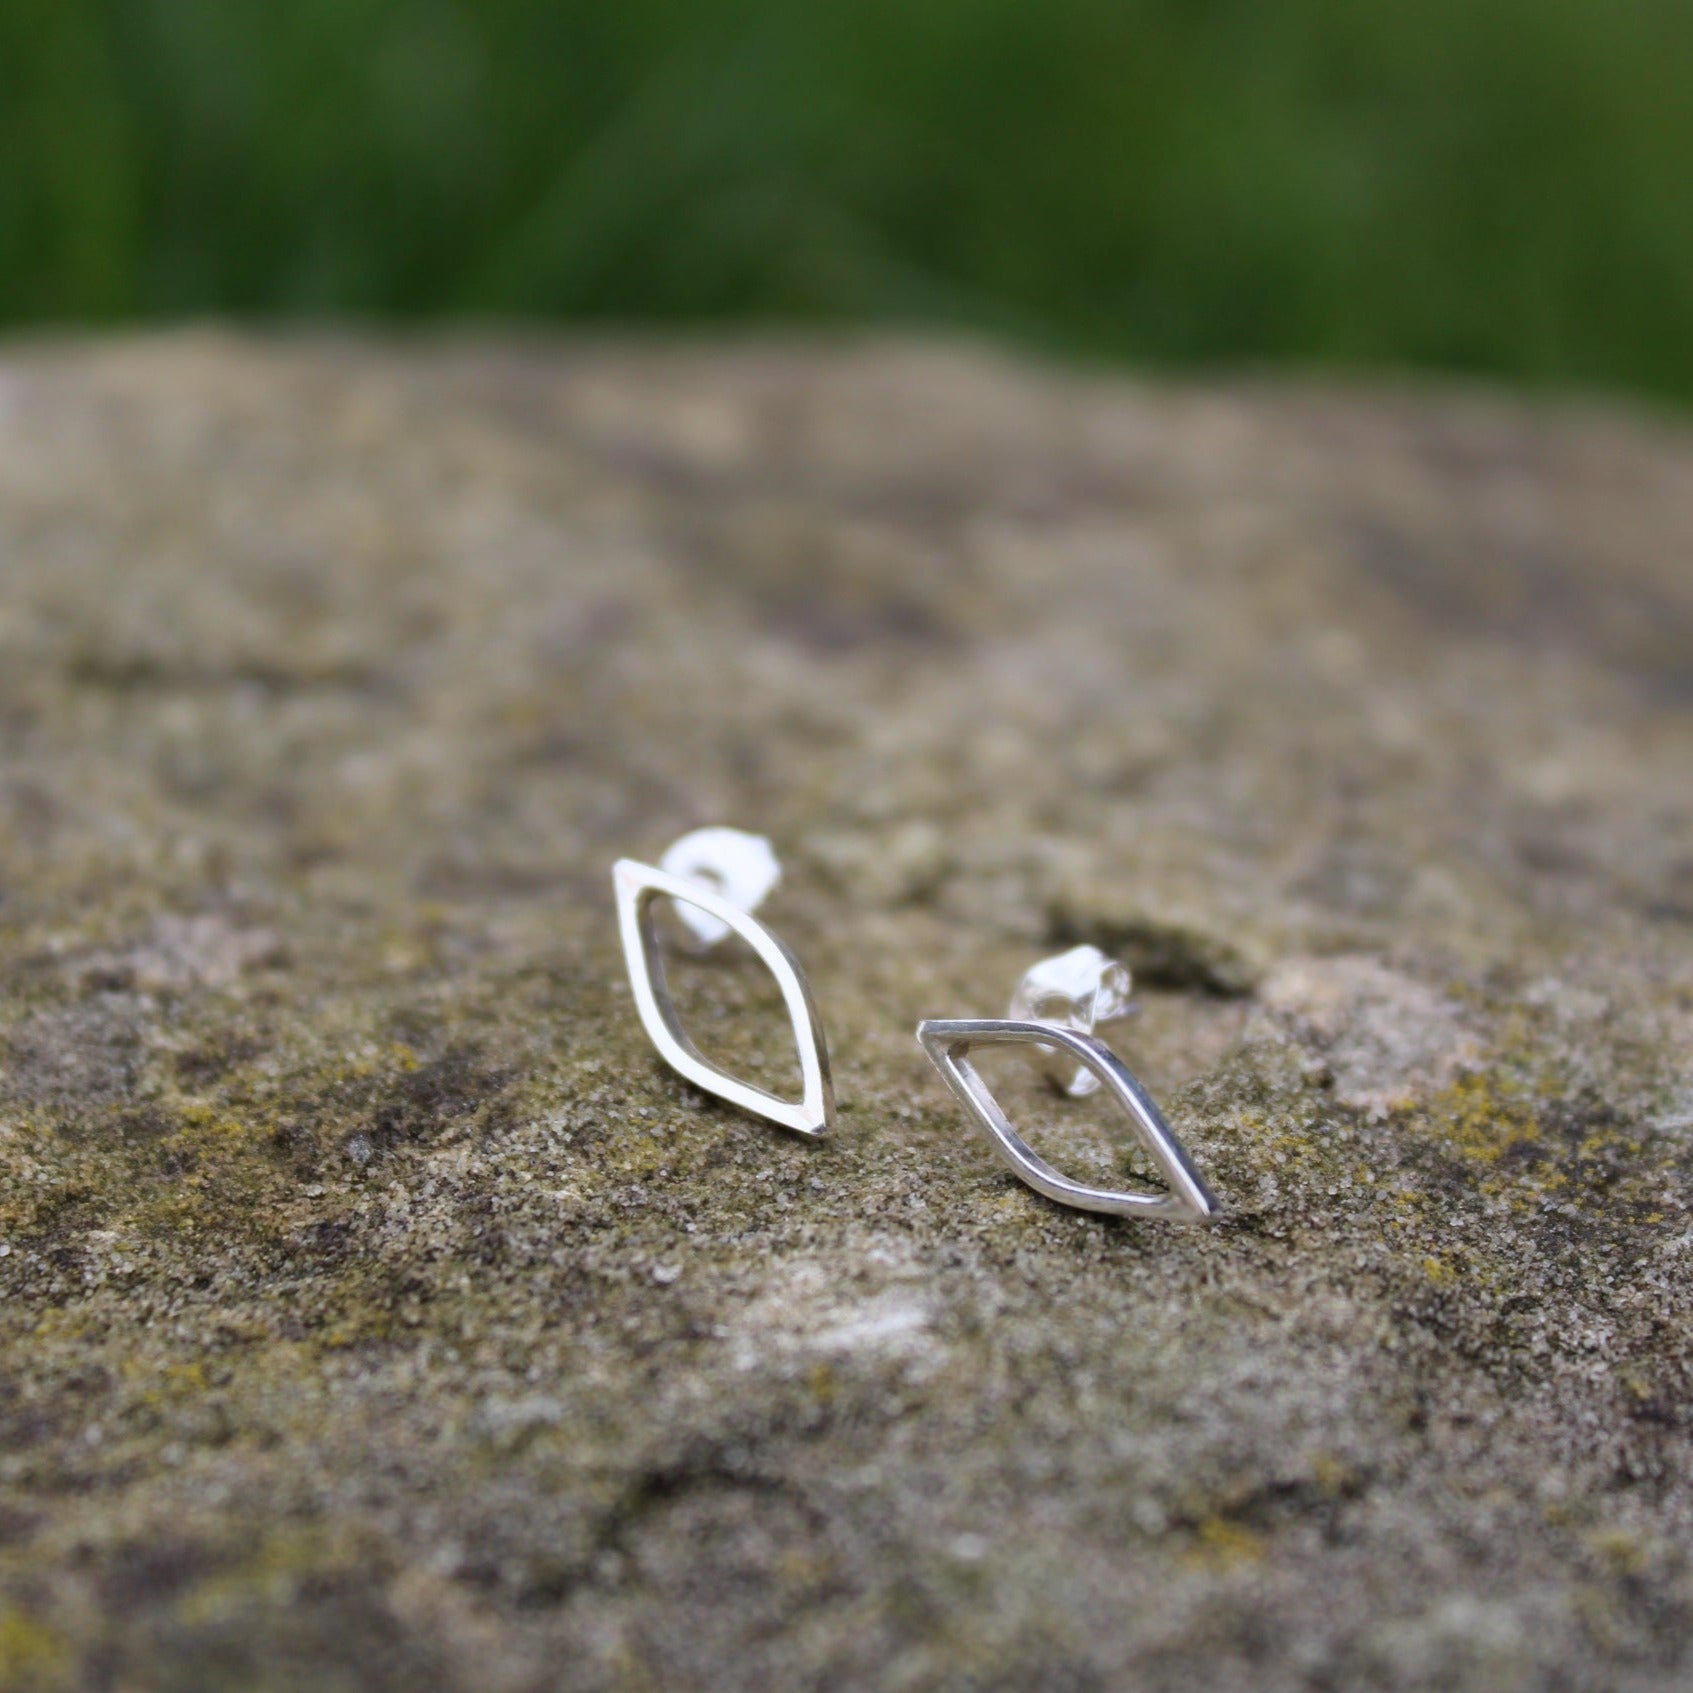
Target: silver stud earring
[1054, 1011]
[716, 878]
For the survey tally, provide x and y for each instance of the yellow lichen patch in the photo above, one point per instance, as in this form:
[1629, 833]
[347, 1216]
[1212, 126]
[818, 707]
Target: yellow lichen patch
[1481, 1117]
[228, 1172]
[1334, 1476]
[31, 1654]
[1219, 1541]
[63, 1323]
[804, 1568]
[1624, 1552]
[184, 1380]
[374, 1322]
[647, 1157]
[170, 1381]
[271, 1576]
[1636, 1383]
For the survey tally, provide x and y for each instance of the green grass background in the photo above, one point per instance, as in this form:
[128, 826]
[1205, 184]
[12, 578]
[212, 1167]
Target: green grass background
[1501, 187]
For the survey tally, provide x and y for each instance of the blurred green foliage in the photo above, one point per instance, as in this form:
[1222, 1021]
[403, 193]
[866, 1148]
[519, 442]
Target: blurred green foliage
[1501, 186]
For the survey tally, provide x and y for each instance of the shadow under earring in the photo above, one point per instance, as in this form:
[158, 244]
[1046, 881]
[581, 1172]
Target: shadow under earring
[715, 878]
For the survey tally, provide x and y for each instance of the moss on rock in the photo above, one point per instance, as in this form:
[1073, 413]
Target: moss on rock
[376, 1311]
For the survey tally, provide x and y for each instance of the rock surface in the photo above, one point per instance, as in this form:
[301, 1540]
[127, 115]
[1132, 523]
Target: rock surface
[376, 1312]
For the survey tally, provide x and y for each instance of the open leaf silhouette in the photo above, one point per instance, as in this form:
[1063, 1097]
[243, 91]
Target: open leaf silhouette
[948, 1045]
[638, 886]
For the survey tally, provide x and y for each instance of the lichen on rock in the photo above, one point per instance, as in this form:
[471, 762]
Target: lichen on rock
[376, 1311]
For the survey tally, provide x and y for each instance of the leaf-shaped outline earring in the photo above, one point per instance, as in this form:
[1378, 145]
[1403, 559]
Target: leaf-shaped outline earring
[948, 1042]
[637, 888]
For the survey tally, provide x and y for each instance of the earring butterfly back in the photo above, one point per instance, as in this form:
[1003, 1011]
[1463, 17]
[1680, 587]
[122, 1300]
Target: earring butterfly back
[1053, 1015]
[714, 879]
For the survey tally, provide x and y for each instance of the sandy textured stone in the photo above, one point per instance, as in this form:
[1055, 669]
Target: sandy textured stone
[376, 1312]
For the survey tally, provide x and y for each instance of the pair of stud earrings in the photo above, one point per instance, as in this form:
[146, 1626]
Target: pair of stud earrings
[716, 878]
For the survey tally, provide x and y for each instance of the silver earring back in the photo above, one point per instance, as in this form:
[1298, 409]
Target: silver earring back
[1082, 990]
